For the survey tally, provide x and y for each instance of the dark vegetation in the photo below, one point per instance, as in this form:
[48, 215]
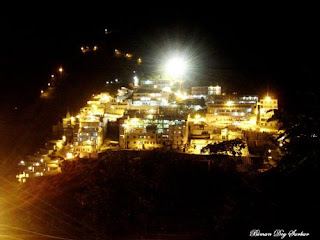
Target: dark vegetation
[233, 147]
[159, 194]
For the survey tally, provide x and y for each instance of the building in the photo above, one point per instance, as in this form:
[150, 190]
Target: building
[90, 126]
[89, 137]
[265, 110]
[68, 124]
[150, 97]
[178, 134]
[234, 110]
[150, 128]
[44, 162]
[123, 94]
[159, 84]
[205, 91]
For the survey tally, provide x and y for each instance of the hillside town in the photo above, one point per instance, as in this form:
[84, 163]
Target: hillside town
[158, 123]
[154, 114]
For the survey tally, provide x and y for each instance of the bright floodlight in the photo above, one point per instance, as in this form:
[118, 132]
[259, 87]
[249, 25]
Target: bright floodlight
[176, 67]
[268, 99]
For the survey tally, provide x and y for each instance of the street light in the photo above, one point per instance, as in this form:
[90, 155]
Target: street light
[267, 98]
[60, 69]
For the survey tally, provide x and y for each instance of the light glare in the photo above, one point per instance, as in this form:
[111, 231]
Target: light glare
[176, 67]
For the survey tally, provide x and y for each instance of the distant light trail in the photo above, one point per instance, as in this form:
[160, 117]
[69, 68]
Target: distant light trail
[36, 233]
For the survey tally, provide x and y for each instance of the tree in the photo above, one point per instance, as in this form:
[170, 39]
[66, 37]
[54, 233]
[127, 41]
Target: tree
[299, 138]
[233, 147]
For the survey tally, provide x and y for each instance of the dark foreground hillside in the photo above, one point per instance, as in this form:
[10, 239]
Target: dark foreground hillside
[162, 195]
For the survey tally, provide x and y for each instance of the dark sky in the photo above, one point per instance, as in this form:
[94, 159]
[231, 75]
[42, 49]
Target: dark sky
[274, 47]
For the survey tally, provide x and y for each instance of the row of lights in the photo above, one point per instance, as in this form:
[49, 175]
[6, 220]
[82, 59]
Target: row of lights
[60, 70]
[87, 49]
[127, 55]
[111, 82]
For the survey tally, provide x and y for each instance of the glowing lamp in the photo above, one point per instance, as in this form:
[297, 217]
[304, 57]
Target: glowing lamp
[176, 67]
[268, 99]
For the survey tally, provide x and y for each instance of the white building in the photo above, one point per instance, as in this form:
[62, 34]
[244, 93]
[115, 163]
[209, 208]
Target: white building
[150, 128]
[150, 97]
[205, 91]
[159, 84]
[231, 110]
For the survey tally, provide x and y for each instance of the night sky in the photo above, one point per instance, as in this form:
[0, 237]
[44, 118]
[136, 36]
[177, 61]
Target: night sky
[274, 48]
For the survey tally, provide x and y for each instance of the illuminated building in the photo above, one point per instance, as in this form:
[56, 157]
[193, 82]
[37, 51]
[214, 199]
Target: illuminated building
[42, 163]
[123, 94]
[178, 134]
[89, 132]
[116, 110]
[90, 137]
[148, 129]
[202, 133]
[103, 97]
[68, 124]
[150, 97]
[265, 110]
[214, 90]
[231, 110]
[204, 91]
[160, 84]
[216, 99]
[139, 137]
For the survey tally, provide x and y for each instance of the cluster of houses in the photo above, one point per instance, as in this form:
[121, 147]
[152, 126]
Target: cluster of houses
[152, 115]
